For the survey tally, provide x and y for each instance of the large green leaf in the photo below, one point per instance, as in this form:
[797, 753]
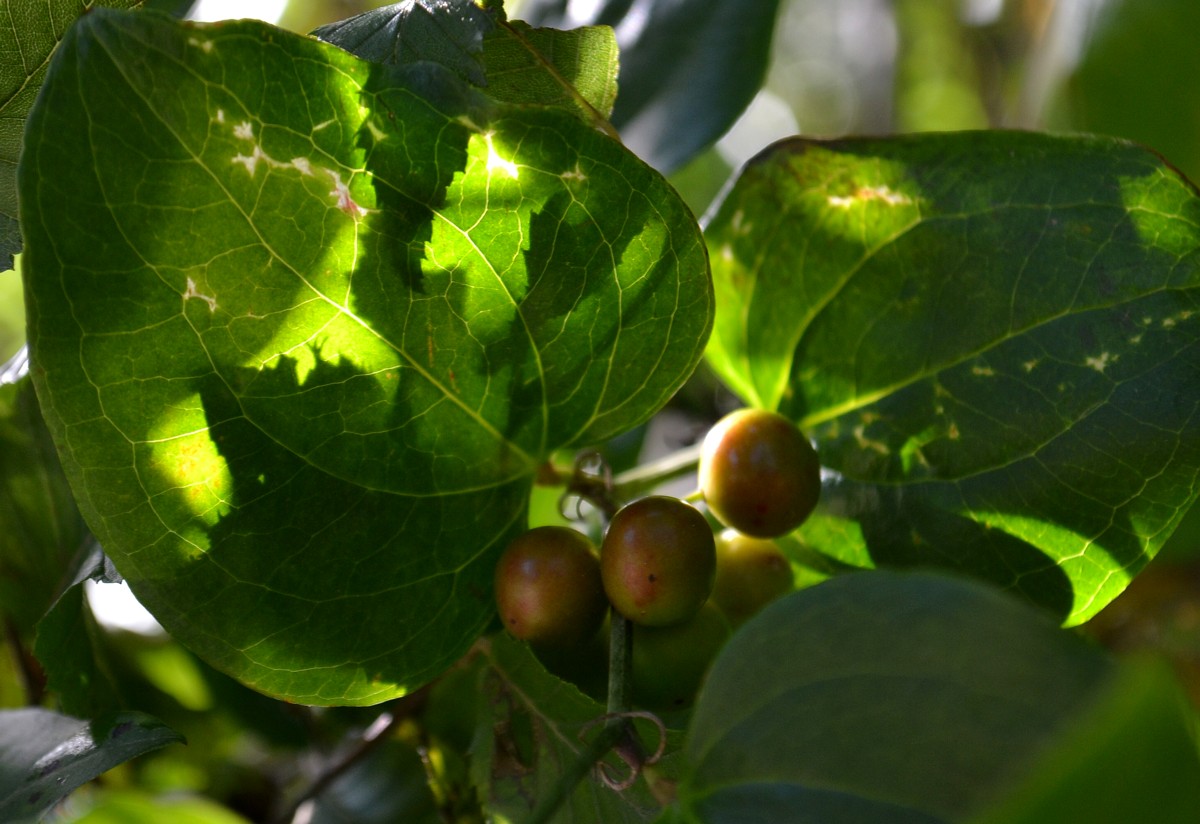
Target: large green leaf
[993, 338]
[44, 755]
[883, 698]
[29, 31]
[305, 326]
[689, 68]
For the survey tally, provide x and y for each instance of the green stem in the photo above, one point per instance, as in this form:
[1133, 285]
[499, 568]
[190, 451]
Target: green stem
[616, 727]
[638, 481]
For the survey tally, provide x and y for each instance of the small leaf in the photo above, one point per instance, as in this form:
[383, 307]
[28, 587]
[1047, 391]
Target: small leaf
[901, 698]
[29, 32]
[41, 529]
[304, 347]
[993, 338]
[574, 69]
[689, 68]
[66, 649]
[447, 32]
[44, 755]
[529, 731]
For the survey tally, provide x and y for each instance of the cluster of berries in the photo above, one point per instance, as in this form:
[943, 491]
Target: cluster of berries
[661, 566]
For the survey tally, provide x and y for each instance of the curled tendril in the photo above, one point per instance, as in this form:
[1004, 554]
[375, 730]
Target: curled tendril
[628, 748]
[592, 482]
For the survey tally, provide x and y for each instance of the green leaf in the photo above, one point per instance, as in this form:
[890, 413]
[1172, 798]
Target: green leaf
[689, 68]
[901, 698]
[531, 727]
[574, 69]
[447, 32]
[44, 755]
[41, 529]
[1132, 757]
[29, 31]
[66, 648]
[306, 326]
[992, 338]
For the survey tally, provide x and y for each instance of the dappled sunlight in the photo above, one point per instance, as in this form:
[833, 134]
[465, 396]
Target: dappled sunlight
[193, 487]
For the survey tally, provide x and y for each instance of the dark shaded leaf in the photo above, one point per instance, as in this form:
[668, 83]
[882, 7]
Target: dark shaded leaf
[901, 698]
[688, 67]
[41, 530]
[66, 647]
[447, 32]
[44, 755]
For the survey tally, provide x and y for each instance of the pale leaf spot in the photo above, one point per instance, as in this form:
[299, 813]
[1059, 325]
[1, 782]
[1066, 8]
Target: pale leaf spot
[342, 192]
[193, 293]
[1101, 362]
[868, 193]
[244, 130]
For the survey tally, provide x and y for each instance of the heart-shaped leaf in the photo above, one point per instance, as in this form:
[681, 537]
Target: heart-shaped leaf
[305, 326]
[993, 338]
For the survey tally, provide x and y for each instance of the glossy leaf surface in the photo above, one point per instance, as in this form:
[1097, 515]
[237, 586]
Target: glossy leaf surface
[44, 755]
[447, 32]
[305, 327]
[902, 698]
[993, 339]
[688, 67]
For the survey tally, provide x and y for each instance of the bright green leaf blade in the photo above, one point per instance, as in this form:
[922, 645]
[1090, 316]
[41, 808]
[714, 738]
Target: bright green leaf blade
[1132, 757]
[993, 338]
[528, 732]
[327, 335]
[29, 31]
[689, 68]
[575, 69]
[901, 698]
[447, 32]
[41, 529]
[44, 755]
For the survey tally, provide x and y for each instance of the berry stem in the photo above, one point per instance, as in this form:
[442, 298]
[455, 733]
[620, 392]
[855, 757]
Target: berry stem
[636, 482]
